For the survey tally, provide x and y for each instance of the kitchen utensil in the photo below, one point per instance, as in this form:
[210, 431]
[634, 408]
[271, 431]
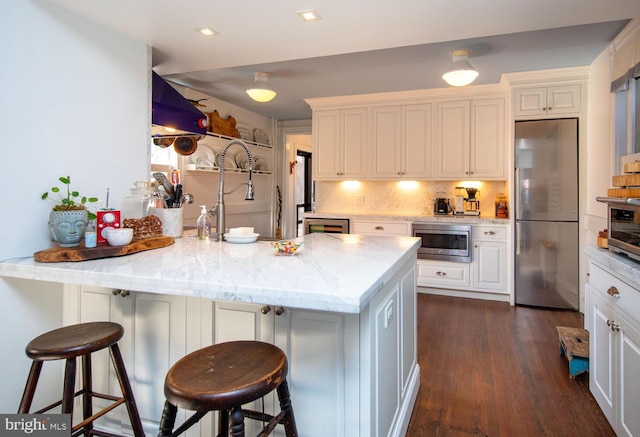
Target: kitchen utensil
[177, 200]
[168, 188]
[164, 141]
[185, 146]
[187, 198]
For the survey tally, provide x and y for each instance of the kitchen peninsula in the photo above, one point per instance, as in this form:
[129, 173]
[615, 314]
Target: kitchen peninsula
[343, 309]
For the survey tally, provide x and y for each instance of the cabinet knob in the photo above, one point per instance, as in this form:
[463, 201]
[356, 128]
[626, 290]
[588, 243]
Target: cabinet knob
[265, 309]
[279, 311]
[441, 273]
[117, 291]
[613, 291]
[613, 325]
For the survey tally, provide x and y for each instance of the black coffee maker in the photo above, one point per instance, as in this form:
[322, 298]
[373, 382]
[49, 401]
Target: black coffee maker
[441, 206]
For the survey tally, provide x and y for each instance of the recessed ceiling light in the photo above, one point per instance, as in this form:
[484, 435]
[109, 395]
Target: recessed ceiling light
[308, 15]
[206, 31]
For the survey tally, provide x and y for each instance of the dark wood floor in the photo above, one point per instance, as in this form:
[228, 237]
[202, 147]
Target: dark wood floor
[494, 370]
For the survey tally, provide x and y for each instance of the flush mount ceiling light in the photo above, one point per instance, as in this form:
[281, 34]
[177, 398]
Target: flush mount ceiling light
[460, 73]
[206, 31]
[261, 91]
[308, 15]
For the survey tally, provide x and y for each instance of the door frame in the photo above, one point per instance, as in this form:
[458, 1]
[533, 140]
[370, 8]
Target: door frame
[287, 153]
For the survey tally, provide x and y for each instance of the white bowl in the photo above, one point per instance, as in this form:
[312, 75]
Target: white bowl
[119, 237]
[240, 238]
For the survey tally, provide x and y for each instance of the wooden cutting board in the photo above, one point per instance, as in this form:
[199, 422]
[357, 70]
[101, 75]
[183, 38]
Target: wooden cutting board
[81, 253]
[623, 192]
[626, 180]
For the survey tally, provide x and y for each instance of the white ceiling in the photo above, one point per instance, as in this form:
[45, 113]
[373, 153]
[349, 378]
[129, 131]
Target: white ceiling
[358, 46]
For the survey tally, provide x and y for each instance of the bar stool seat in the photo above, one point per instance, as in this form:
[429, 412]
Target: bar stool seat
[222, 378]
[68, 343]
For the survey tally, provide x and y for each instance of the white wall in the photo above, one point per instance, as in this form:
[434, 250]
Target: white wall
[75, 102]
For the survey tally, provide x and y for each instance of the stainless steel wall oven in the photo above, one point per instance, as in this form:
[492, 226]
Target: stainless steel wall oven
[443, 241]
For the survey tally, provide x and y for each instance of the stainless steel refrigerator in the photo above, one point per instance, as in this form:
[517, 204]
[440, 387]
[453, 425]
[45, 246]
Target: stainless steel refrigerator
[546, 213]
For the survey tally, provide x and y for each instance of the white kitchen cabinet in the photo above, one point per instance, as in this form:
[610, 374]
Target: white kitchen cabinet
[489, 258]
[485, 277]
[402, 141]
[340, 139]
[614, 355]
[376, 227]
[444, 274]
[547, 100]
[343, 368]
[470, 139]
[155, 336]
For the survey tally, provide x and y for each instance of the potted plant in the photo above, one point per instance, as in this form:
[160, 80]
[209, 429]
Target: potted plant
[69, 217]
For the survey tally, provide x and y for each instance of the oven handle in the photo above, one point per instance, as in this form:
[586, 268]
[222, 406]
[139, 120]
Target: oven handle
[619, 200]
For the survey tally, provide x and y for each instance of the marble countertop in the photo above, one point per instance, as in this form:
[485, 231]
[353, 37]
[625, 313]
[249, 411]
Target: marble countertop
[332, 272]
[618, 264]
[407, 218]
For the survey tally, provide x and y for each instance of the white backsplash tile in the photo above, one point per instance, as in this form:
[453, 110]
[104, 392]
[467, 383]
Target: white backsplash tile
[413, 198]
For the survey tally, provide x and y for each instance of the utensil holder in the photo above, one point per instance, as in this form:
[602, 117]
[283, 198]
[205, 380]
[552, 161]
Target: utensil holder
[172, 220]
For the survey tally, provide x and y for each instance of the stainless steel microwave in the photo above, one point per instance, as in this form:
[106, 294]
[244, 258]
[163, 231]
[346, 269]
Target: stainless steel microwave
[445, 242]
[623, 224]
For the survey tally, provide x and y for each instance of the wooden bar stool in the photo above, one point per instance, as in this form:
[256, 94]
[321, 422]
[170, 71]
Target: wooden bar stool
[222, 378]
[80, 341]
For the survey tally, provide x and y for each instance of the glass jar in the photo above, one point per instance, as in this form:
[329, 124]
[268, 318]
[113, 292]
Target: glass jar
[502, 206]
[136, 205]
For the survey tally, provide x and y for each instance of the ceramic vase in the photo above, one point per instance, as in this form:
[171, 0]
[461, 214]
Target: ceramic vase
[67, 227]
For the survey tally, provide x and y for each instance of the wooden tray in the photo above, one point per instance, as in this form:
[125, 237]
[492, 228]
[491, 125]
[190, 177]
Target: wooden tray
[81, 253]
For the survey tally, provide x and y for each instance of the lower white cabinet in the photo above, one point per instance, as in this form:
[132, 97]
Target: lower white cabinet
[614, 355]
[484, 277]
[155, 336]
[489, 258]
[390, 227]
[349, 374]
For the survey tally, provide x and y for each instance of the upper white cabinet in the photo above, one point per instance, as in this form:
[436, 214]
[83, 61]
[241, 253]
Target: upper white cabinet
[340, 144]
[402, 141]
[470, 139]
[547, 100]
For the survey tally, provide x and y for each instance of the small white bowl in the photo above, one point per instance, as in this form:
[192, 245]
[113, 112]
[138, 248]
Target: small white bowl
[119, 237]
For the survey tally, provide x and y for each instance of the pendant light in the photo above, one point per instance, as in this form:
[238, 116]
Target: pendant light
[261, 91]
[460, 73]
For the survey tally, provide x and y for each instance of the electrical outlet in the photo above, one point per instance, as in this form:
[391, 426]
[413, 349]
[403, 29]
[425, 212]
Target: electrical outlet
[359, 198]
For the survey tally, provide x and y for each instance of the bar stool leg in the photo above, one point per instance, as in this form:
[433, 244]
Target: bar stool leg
[127, 392]
[237, 422]
[223, 423]
[30, 388]
[285, 405]
[69, 386]
[168, 419]
[87, 395]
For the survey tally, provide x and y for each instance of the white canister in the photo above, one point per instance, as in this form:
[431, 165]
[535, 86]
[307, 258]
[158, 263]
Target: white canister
[172, 220]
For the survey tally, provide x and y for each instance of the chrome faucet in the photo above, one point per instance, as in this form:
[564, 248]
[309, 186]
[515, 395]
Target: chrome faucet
[219, 211]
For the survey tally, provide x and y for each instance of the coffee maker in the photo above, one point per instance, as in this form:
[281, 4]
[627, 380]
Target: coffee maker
[472, 203]
[460, 196]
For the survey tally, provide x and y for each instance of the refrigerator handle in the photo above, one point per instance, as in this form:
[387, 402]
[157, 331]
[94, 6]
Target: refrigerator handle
[517, 193]
[518, 238]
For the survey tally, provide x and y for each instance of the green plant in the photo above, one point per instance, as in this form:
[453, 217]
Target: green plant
[73, 200]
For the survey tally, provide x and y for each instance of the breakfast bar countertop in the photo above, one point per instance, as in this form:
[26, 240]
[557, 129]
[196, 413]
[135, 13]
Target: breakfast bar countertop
[332, 272]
